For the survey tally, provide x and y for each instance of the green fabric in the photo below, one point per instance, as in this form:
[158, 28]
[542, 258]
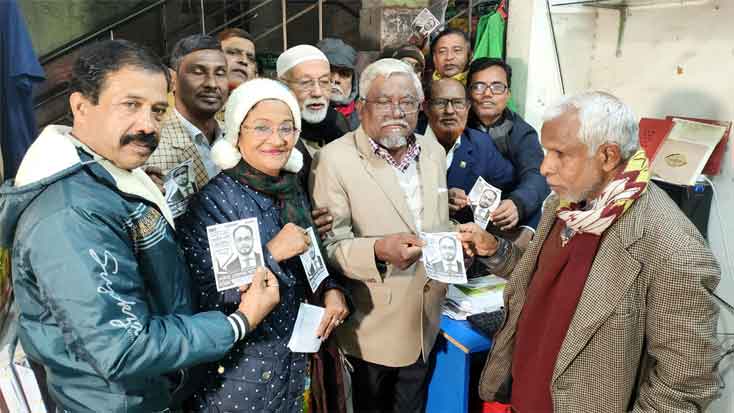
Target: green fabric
[285, 188]
[490, 36]
[491, 41]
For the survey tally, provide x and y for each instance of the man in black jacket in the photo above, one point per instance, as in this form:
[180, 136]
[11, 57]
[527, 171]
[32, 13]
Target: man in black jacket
[489, 90]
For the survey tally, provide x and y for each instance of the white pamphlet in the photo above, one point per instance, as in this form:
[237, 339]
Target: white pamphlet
[425, 23]
[303, 339]
[484, 199]
[236, 252]
[443, 257]
[179, 185]
[313, 262]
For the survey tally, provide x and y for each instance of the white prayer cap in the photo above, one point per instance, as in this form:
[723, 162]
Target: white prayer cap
[225, 152]
[297, 55]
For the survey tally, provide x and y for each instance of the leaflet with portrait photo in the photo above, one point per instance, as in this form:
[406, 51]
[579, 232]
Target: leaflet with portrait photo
[313, 262]
[425, 23]
[484, 199]
[443, 257]
[179, 185]
[236, 252]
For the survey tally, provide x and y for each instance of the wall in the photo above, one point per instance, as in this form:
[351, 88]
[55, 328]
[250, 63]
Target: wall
[673, 58]
[52, 23]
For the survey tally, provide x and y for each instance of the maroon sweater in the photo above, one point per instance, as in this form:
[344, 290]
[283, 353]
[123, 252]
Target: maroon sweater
[553, 294]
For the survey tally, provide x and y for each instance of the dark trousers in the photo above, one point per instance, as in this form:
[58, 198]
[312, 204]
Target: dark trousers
[382, 389]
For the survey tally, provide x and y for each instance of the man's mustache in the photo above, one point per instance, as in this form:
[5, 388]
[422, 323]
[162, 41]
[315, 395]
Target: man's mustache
[150, 140]
[395, 123]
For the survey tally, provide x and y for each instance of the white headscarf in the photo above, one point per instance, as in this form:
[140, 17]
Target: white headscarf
[296, 55]
[225, 152]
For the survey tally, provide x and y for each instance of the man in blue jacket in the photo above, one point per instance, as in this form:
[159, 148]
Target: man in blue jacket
[470, 153]
[489, 90]
[101, 286]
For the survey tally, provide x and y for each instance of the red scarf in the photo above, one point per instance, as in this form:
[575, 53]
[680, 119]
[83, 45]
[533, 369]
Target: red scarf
[345, 110]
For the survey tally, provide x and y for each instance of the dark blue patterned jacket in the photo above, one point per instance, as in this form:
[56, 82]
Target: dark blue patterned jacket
[260, 374]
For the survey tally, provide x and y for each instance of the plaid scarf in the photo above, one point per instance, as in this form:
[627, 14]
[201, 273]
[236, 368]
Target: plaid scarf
[414, 150]
[285, 189]
[613, 202]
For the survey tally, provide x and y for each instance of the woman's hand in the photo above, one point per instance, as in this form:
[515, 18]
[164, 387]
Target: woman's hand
[259, 297]
[336, 312]
[292, 240]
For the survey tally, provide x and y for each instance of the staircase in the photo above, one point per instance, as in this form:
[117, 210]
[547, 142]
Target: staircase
[158, 24]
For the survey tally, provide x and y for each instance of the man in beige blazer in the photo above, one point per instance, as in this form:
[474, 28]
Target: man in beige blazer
[627, 321]
[384, 185]
[189, 130]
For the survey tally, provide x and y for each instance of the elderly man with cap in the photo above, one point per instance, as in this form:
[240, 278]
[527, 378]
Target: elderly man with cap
[306, 70]
[384, 185]
[343, 60]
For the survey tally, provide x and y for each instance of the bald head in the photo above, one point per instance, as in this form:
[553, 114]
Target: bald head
[447, 110]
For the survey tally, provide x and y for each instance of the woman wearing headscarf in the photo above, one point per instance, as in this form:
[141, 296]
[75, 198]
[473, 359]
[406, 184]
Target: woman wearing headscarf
[260, 373]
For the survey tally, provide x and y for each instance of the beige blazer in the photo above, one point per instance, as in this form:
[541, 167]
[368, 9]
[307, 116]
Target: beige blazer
[396, 314]
[175, 147]
[643, 334]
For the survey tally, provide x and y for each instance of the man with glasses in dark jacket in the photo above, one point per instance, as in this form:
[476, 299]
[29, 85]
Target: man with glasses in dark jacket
[489, 90]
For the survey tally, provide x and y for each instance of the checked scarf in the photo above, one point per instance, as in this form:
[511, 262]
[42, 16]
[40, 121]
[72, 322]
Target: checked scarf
[614, 201]
[285, 189]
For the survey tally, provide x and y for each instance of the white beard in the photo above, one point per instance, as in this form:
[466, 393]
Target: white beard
[394, 141]
[314, 116]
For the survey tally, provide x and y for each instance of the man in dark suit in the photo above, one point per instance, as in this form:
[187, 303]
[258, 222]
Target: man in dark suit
[244, 258]
[470, 153]
[489, 82]
[184, 186]
[449, 264]
[486, 201]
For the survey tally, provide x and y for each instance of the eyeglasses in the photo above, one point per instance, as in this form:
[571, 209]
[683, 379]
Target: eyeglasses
[442, 104]
[309, 85]
[265, 131]
[407, 106]
[497, 88]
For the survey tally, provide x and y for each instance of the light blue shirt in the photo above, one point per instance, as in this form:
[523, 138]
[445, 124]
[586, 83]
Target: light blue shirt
[202, 144]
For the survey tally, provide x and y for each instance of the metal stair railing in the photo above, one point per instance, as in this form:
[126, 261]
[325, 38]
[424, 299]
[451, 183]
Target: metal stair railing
[58, 91]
